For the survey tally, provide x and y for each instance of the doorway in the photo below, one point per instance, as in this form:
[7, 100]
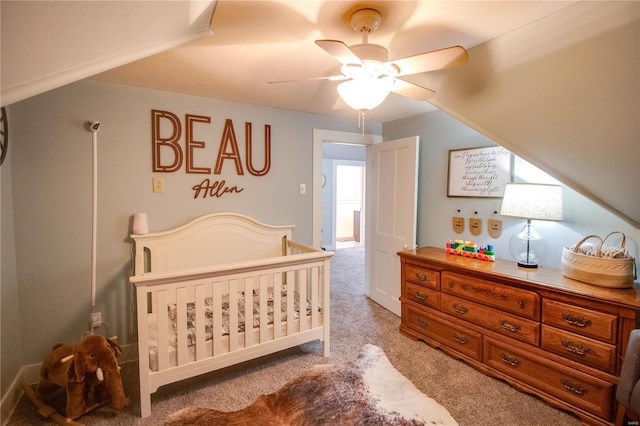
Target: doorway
[322, 137]
[349, 204]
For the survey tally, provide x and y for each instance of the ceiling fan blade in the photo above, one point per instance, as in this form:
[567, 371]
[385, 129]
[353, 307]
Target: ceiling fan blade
[329, 77]
[411, 90]
[449, 57]
[340, 51]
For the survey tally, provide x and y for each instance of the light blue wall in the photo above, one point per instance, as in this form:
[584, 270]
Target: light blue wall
[51, 166]
[11, 339]
[439, 133]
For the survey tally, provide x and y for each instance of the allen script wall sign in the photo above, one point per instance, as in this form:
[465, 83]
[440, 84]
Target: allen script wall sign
[479, 172]
[169, 156]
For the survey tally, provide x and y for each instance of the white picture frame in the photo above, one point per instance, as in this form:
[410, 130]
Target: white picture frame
[479, 172]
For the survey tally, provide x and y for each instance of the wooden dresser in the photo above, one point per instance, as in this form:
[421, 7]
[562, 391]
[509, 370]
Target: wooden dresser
[541, 332]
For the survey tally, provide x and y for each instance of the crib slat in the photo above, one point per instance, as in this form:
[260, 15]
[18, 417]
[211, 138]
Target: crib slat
[248, 312]
[302, 302]
[163, 329]
[291, 285]
[315, 279]
[217, 317]
[276, 280]
[200, 319]
[264, 308]
[233, 314]
[181, 325]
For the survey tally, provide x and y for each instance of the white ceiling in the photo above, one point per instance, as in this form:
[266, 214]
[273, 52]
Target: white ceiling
[255, 42]
[46, 44]
[260, 41]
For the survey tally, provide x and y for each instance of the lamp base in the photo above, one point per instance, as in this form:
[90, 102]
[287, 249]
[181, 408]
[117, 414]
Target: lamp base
[527, 247]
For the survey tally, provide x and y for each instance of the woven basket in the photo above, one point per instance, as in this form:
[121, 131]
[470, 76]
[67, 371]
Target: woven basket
[595, 268]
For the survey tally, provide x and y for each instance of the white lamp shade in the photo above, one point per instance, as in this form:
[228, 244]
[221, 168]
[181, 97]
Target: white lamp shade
[365, 93]
[140, 224]
[532, 201]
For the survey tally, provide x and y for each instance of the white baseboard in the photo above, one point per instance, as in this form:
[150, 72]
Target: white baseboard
[30, 374]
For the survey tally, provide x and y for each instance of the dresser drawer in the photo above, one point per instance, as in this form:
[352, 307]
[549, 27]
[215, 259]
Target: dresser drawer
[510, 325]
[422, 295]
[453, 336]
[579, 348]
[581, 390]
[423, 276]
[586, 322]
[510, 299]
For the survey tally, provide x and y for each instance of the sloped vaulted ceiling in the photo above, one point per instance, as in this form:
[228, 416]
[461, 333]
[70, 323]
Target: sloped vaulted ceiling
[95, 36]
[565, 95]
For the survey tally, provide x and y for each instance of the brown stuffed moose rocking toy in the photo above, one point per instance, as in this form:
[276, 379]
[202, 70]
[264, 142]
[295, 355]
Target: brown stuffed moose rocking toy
[88, 371]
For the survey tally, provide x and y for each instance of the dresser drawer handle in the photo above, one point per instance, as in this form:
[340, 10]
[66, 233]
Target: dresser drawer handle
[421, 296]
[574, 387]
[422, 322]
[577, 321]
[459, 309]
[509, 326]
[509, 359]
[420, 276]
[576, 348]
[463, 340]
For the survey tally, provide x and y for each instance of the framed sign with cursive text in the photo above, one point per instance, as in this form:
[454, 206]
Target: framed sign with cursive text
[479, 172]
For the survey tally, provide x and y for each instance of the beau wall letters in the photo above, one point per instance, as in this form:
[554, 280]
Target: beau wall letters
[169, 156]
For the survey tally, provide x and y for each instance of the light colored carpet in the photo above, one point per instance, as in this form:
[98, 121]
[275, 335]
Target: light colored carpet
[472, 398]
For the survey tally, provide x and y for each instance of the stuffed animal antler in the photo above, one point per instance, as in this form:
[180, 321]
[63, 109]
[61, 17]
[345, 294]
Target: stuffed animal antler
[89, 365]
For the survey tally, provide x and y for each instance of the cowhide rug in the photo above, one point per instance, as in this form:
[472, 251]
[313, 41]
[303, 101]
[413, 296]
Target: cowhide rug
[368, 391]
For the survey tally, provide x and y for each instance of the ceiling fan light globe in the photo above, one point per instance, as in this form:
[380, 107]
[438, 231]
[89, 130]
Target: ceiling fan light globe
[365, 94]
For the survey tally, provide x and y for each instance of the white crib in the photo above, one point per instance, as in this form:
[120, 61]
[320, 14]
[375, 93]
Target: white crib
[220, 290]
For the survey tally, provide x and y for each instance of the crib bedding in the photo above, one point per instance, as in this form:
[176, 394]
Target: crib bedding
[225, 342]
[242, 309]
[226, 322]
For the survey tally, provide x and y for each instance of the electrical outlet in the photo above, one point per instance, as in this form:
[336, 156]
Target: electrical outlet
[158, 184]
[96, 319]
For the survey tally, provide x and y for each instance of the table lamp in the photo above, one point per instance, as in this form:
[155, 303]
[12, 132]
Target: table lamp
[531, 202]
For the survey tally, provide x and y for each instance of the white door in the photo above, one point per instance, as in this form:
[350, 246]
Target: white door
[392, 177]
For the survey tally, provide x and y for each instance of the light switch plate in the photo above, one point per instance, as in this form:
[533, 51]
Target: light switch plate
[458, 225]
[475, 226]
[495, 228]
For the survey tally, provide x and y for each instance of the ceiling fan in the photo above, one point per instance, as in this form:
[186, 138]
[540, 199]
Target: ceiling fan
[367, 74]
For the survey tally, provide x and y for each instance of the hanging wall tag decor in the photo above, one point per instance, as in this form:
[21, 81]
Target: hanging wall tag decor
[458, 225]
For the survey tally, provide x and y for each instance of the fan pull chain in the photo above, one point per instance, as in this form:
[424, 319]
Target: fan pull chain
[361, 120]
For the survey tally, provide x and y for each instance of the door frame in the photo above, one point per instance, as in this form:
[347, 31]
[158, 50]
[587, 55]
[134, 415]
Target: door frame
[321, 136]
